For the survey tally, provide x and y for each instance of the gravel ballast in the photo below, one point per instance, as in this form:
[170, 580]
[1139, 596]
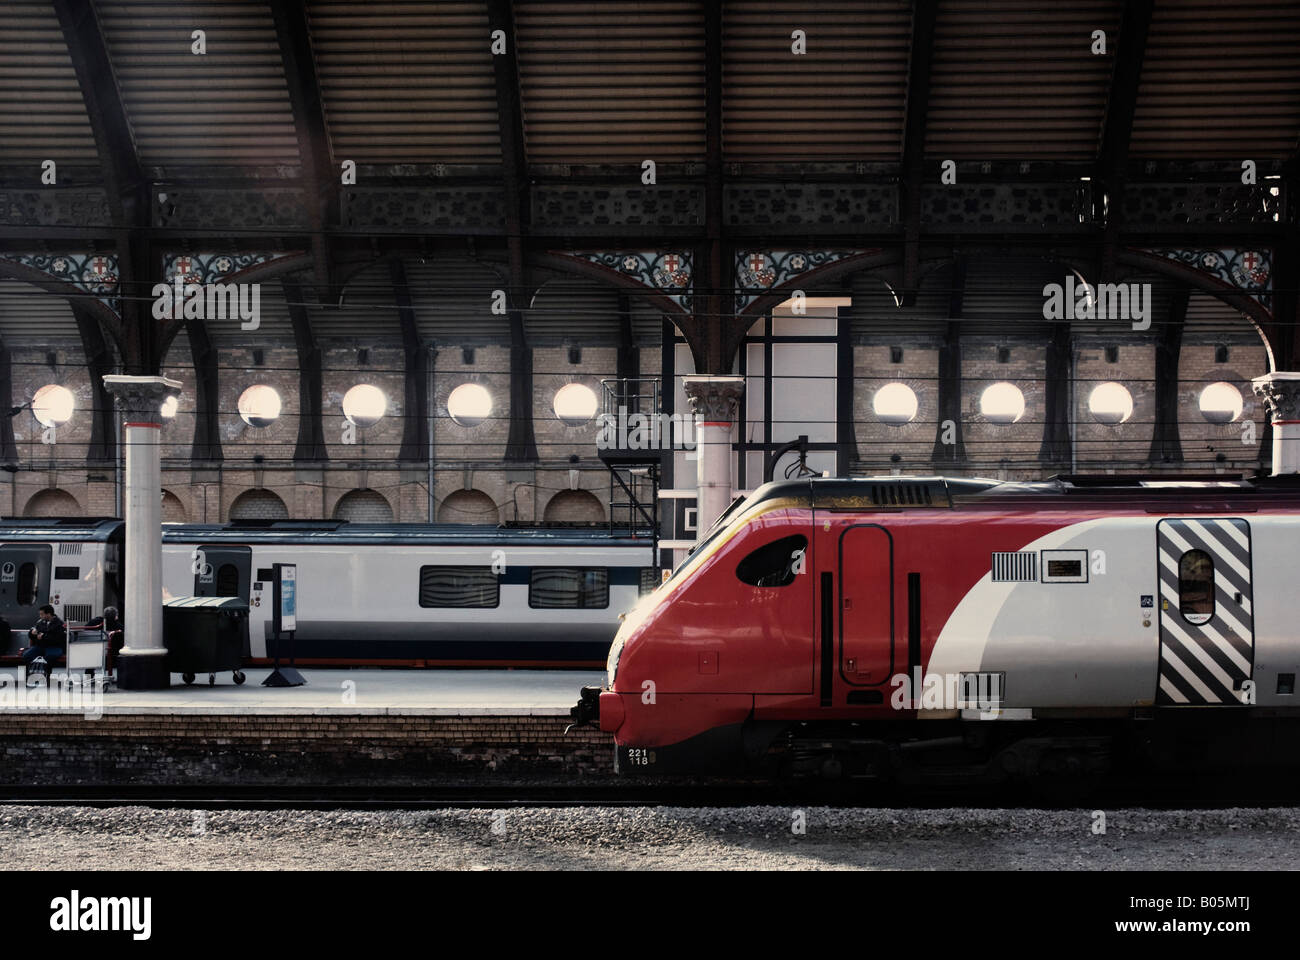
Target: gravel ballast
[668, 838]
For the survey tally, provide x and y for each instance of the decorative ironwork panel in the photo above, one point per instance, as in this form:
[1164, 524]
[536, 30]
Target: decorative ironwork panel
[758, 271]
[808, 204]
[53, 207]
[1005, 203]
[236, 209]
[1250, 271]
[617, 206]
[1171, 203]
[212, 267]
[95, 273]
[395, 209]
[670, 273]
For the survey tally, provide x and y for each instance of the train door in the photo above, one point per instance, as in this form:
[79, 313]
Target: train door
[1207, 632]
[24, 583]
[223, 571]
[866, 634]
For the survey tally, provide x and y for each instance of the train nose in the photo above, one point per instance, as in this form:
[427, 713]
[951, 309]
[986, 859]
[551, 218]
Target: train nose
[611, 711]
[602, 707]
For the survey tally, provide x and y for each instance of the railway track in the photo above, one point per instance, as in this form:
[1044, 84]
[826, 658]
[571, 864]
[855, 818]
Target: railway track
[1164, 794]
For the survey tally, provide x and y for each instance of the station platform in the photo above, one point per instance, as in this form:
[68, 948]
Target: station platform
[363, 692]
[360, 727]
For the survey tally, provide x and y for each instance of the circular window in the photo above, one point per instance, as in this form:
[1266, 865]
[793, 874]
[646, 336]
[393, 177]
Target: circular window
[1221, 403]
[1002, 403]
[259, 405]
[575, 404]
[364, 405]
[169, 407]
[895, 403]
[52, 405]
[469, 404]
[1110, 403]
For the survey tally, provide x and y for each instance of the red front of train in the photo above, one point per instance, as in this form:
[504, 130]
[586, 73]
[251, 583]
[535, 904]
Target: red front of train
[785, 613]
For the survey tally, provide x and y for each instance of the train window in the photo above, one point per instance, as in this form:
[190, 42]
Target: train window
[575, 588]
[650, 580]
[67, 573]
[774, 564]
[459, 587]
[1196, 586]
[27, 585]
[228, 580]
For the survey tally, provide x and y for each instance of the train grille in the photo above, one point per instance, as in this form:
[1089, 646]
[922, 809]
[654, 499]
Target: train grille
[76, 613]
[69, 549]
[901, 495]
[1020, 567]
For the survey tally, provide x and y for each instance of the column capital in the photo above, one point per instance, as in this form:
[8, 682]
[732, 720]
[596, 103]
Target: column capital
[142, 397]
[1280, 392]
[715, 398]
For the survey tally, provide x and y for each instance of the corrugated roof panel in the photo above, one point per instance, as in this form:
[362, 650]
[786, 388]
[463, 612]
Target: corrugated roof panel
[876, 313]
[273, 315]
[612, 81]
[407, 82]
[42, 114]
[1220, 80]
[647, 323]
[1131, 301]
[842, 99]
[368, 311]
[1017, 79]
[229, 105]
[453, 299]
[1208, 317]
[574, 311]
[1003, 296]
[30, 314]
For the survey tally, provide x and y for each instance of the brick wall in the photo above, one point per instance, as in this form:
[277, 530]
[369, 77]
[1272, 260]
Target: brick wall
[1203, 441]
[1007, 450]
[471, 457]
[484, 441]
[1101, 446]
[196, 750]
[873, 369]
[31, 372]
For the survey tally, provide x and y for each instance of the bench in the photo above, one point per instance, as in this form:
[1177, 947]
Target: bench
[89, 661]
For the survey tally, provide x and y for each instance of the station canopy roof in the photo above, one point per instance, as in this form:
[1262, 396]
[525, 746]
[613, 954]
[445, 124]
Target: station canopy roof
[410, 88]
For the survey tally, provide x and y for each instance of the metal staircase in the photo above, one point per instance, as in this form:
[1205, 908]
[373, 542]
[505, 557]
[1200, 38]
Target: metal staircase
[631, 446]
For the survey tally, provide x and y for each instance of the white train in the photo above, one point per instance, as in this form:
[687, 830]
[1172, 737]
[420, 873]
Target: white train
[400, 594]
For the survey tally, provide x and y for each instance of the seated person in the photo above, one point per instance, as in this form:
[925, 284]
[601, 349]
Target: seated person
[111, 624]
[49, 637]
[110, 621]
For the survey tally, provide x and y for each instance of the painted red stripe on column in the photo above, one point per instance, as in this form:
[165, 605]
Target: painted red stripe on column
[156, 426]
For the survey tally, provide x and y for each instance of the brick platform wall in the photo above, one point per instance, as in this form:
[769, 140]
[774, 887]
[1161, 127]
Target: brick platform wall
[56, 750]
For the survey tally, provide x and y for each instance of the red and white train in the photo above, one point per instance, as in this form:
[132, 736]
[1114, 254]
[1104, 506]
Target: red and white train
[846, 626]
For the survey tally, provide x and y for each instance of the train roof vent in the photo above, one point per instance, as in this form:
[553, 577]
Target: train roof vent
[1018, 567]
[901, 495]
[267, 524]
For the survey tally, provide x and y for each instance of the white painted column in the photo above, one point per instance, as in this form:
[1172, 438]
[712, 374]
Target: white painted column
[141, 665]
[1281, 395]
[714, 399]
